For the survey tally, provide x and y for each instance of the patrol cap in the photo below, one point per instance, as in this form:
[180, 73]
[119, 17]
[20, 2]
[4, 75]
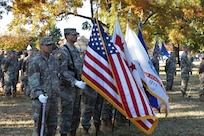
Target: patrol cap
[155, 52]
[70, 31]
[47, 40]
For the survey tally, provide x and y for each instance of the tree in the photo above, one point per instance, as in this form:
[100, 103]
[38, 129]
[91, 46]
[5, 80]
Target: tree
[177, 21]
[11, 42]
[4, 7]
[55, 33]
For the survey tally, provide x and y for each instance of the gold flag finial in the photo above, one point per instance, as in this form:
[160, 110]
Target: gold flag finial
[119, 7]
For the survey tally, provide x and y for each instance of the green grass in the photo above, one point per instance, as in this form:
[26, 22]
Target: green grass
[186, 117]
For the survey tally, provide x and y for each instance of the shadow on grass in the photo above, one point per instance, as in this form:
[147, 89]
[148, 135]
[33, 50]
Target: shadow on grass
[186, 117]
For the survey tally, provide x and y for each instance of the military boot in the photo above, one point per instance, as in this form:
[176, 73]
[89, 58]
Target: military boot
[72, 133]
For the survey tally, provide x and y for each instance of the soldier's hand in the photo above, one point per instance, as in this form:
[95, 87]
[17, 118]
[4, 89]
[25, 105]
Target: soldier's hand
[42, 98]
[80, 84]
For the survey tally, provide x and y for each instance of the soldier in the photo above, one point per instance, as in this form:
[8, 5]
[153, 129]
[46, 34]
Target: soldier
[21, 59]
[43, 80]
[155, 61]
[92, 108]
[10, 67]
[1, 72]
[106, 115]
[201, 77]
[185, 69]
[170, 70]
[70, 84]
[24, 68]
[111, 116]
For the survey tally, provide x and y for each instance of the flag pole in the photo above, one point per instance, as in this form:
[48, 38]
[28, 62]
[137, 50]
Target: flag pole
[114, 115]
[97, 126]
[129, 13]
[119, 8]
[141, 17]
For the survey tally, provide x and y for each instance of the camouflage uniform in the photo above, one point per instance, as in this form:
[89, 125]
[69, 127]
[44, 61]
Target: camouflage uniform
[92, 107]
[24, 70]
[185, 69]
[201, 77]
[11, 72]
[155, 61]
[1, 72]
[170, 70]
[43, 78]
[70, 71]
[107, 113]
[21, 59]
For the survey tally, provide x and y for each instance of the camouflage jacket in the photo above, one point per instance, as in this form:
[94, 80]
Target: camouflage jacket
[201, 67]
[43, 76]
[185, 63]
[170, 65]
[10, 64]
[155, 62]
[70, 64]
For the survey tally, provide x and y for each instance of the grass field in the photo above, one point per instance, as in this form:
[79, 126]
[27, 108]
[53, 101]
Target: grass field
[186, 117]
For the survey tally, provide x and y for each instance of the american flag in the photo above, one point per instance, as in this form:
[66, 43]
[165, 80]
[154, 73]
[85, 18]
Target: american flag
[106, 71]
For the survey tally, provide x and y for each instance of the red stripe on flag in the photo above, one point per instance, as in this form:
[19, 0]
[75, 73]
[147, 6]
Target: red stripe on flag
[119, 82]
[101, 76]
[103, 89]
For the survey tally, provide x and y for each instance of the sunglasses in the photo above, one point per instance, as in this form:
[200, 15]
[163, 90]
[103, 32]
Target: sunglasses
[48, 44]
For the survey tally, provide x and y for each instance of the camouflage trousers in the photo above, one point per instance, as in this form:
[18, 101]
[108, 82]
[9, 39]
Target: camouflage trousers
[109, 112]
[169, 80]
[50, 117]
[70, 109]
[10, 80]
[1, 79]
[92, 108]
[24, 85]
[184, 82]
[201, 77]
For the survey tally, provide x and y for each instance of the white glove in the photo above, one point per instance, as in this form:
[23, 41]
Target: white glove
[80, 84]
[42, 98]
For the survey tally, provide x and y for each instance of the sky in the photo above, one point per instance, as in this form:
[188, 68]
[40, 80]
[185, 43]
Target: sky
[71, 22]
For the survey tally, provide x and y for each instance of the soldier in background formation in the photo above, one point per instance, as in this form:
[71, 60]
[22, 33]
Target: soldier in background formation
[70, 84]
[111, 117]
[155, 61]
[201, 77]
[1, 72]
[92, 108]
[185, 70]
[43, 80]
[170, 70]
[10, 69]
[24, 70]
[21, 59]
